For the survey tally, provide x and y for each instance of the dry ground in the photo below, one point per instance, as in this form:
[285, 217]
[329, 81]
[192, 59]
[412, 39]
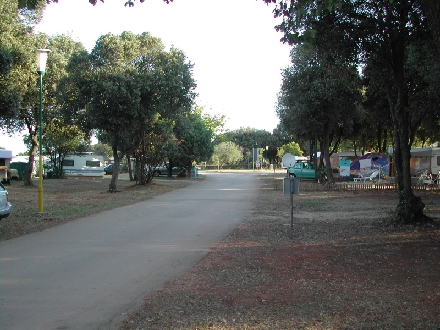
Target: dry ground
[342, 267]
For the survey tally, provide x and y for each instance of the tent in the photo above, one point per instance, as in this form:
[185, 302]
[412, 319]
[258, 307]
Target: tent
[370, 162]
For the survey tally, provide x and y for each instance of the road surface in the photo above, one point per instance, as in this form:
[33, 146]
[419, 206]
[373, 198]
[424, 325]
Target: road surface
[86, 274]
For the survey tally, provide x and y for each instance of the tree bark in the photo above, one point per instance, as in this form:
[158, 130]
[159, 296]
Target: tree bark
[116, 162]
[326, 152]
[32, 153]
[410, 207]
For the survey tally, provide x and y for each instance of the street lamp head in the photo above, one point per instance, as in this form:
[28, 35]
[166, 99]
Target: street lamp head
[41, 60]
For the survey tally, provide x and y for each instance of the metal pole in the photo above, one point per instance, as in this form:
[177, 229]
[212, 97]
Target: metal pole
[291, 211]
[291, 202]
[40, 144]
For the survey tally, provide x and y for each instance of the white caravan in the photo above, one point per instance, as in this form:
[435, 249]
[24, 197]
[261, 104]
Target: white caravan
[425, 160]
[83, 164]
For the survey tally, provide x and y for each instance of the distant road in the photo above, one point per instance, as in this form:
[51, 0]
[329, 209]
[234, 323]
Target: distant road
[87, 273]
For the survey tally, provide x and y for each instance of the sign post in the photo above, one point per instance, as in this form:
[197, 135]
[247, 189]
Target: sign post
[254, 157]
[291, 187]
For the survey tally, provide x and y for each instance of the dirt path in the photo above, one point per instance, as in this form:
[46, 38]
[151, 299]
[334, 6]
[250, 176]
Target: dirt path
[88, 273]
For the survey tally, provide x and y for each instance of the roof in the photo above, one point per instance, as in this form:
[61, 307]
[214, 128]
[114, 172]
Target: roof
[5, 153]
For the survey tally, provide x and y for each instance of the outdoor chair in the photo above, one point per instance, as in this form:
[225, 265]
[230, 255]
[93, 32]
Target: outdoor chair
[369, 177]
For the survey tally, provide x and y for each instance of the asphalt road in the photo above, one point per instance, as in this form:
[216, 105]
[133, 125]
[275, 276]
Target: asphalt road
[88, 273]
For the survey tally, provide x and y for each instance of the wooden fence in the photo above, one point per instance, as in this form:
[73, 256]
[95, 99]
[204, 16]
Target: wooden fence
[306, 185]
[351, 186]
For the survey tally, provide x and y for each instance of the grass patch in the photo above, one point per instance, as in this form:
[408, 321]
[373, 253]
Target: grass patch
[72, 198]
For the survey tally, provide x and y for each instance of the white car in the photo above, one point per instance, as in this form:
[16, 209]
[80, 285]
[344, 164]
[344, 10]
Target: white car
[5, 206]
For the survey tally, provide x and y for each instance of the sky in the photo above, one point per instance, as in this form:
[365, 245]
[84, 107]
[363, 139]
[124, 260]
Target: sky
[235, 49]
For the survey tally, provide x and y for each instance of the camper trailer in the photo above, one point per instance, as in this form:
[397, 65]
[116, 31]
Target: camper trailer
[83, 164]
[425, 160]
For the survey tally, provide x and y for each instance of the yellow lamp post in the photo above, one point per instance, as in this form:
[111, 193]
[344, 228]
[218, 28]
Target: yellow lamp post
[41, 68]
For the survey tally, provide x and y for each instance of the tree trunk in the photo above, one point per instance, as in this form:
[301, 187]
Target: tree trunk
[385, 141]
[130, 169]
[410, 207]
[112, 186]
[325, 151]
[170, 168]
[142, 179]
[32, 153]
[30, 169]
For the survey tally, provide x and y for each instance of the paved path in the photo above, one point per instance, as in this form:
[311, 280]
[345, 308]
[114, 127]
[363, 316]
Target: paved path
[87, 273]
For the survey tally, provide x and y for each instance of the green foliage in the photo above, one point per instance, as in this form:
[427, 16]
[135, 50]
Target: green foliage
[115, 103]
[215, 123]
[226, 153]
[32, 4]
[319, 98]
[60, 140]
[423, 80]
[249, 138]
[102, 149]
[134, 93]
[17, 66]
[19, 83]
[292, 148]
[195, 138]
[364, 31]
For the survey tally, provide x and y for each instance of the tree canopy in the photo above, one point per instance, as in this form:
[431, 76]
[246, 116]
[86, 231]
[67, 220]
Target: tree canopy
[319, 100]
[360, 31]
[226, 153]
[130, 89]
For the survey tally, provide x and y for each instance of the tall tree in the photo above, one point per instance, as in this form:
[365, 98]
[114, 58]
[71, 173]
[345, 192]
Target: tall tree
[167, 96]
[113, 107]
[319, 100]
[376, 26]
[400, 21]
[131, 91]
[249, 138]
[226, 153]
[19, 80]
[196, 138]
